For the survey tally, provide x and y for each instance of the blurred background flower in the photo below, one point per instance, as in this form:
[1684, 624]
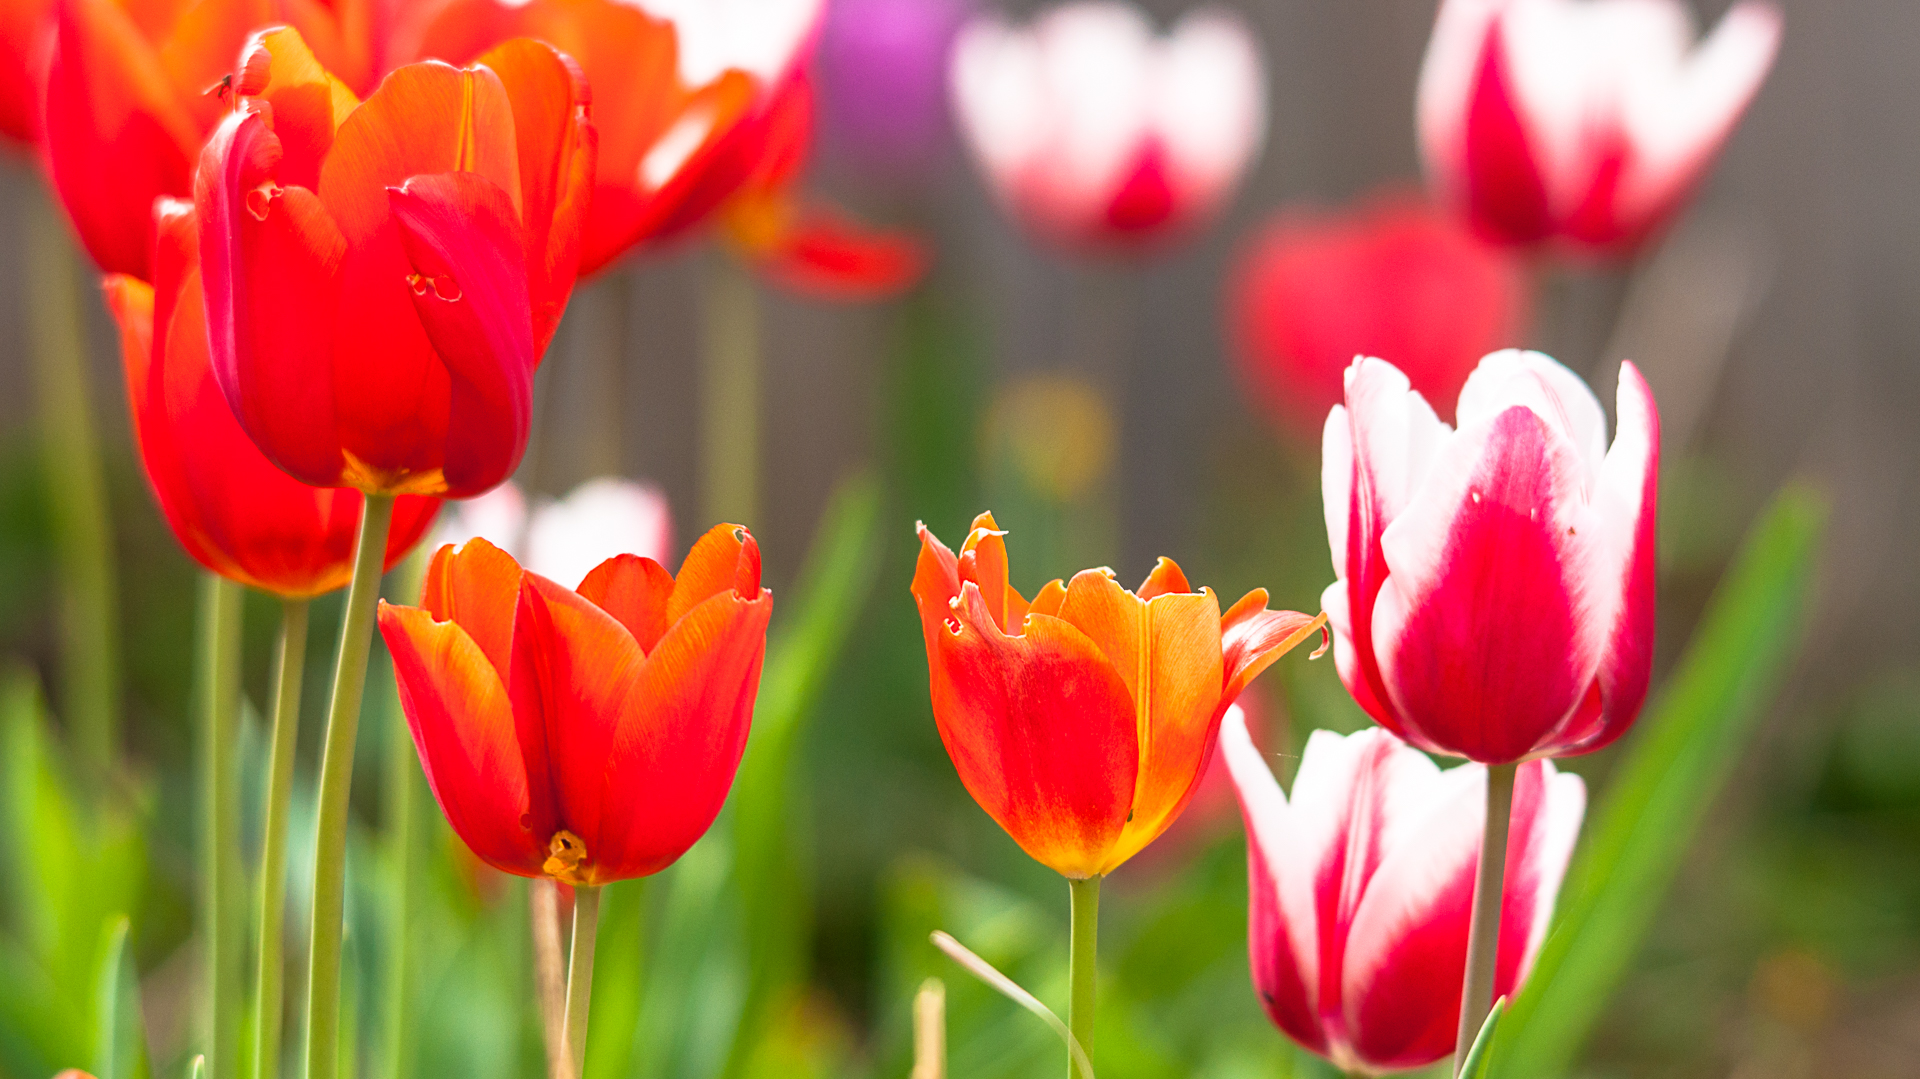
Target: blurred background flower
[883, 80]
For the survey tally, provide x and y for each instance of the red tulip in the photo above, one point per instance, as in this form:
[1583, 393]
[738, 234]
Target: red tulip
[1082, 722]
[21, 61]
[1583, 122]
[234, 512]
[684, 105]
[1098, 136]
[383, 276]
[1390, 277]
[1361, 886]
[587, 736]
[805, 246]
[1495, 597]
[133, 89]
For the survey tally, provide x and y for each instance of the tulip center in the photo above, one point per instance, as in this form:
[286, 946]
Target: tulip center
[566, 854]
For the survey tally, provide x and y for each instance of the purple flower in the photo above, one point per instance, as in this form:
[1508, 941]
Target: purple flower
[883, 77]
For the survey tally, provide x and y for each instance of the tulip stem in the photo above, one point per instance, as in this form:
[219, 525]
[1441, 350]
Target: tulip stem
[1084, 943]
[336, 784]
[549, 972]
[730, 397]
[289, 662]
[219, 679]
[1483, 934]
[404, 783]
[586, 921]
[76, 495]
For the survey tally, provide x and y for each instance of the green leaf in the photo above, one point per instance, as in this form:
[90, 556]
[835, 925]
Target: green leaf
[119, 1034]
[1475, 1065]
[1675, 765]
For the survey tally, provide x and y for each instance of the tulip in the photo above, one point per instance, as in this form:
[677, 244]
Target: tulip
[565, 540]
[1360, 886]
[1083, 721]
[133, 89]
[1582, 122]
[395, 266]
[1097, 136]
[230, 508]
[21, 25]
[683, 100]
[1391, 277]
[883, 68]
[585, 736]
[1495, 591]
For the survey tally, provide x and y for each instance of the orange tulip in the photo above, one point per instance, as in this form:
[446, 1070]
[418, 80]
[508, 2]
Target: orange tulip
[383, 276]
[586, 736]
[1083, 721]
[135, 86]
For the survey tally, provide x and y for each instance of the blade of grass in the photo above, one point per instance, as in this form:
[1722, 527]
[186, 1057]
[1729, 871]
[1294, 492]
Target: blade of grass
[1675, 766]
[1010, 989]
[120, 1037]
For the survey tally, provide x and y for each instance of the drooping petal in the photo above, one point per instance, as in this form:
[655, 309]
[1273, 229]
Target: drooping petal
[635, 591]
[1484, 639]
[1252, 638]
[463, 726]
[574, 668]
[1281, 942]
[271, 256]
[1040, 728]
[681, 733]
[469, 285]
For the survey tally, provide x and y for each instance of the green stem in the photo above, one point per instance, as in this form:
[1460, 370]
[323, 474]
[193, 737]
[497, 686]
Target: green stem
[730, 397]
[1080, 966]
[549, 973]
[1483, 934]
[586, 921]
[219, 677]
[269, 986]
[405, 785]
[336, 784]
[76, 495]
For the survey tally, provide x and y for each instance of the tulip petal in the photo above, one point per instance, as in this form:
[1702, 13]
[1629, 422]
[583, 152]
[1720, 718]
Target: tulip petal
[463, 726]
[478, 586]
[983, 560]
[1252, 637]
[1485, 639]
[1540, 382]
[718, 561]
[573, 670]
[469, 285]
[1282, 943]
[270, 257]
[308, 102]
[822, 252]
[681, 732]
[1039, 726]
[1166, 577]
[636, 592]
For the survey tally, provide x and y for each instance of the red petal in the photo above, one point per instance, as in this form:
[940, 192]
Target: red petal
[469, 288]
[827, 255]
[1252, 637]
[714, 566]
[477, 586]
[463, 727]
[636, 592]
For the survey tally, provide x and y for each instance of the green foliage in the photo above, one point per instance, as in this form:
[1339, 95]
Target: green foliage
[119, 1032]
[1676, 763]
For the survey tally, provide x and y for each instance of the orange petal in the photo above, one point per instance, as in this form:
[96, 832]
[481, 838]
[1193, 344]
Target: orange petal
[681, 733]
[983, 560]
[463, 727]
[1048, 600]
[1040, 729]
[1166, 577]
[573, 668]
[477, 586]
[1252, 637]
[715, 565]
[936, 581]
[309, 103]
[635, 591]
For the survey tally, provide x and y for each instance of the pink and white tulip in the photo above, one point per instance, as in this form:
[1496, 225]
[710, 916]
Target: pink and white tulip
[1495, 591]
[564, 540]
[1585, 122]
[1361, 889]
[1097, 134]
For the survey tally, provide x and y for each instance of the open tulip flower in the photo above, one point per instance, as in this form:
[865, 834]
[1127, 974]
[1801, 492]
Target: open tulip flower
[684, 96]
[1391, 276]
[1097, 135]
[383, 276]
[133, 89]
[233, 511]
[591, 735]
[1361, 886]
[1495, 592]
[1583, 122]
[1082, 721]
